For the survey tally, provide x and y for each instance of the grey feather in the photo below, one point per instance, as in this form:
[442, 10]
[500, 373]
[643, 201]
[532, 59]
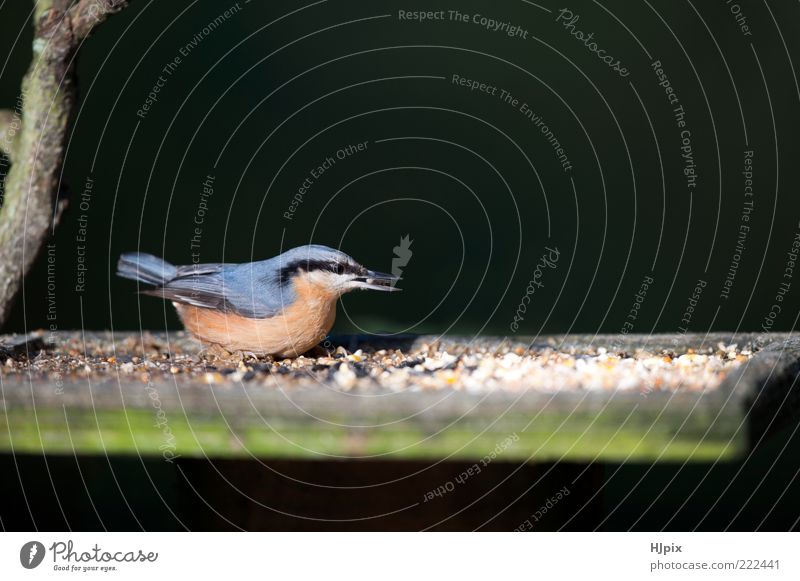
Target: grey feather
[145, 268]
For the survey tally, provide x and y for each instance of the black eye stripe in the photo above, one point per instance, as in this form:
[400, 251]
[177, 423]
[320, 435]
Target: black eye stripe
[320, 265]
[344, 268]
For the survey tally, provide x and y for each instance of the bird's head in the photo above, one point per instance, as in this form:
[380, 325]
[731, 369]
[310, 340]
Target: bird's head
[330, 271]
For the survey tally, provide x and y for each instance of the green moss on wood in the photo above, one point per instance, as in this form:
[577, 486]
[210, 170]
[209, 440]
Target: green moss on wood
[136, 432]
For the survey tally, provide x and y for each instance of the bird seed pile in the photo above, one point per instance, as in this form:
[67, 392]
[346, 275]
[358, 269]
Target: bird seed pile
[547, 368]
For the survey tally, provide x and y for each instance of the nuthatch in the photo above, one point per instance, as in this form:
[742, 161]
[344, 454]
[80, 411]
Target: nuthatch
[283, 306]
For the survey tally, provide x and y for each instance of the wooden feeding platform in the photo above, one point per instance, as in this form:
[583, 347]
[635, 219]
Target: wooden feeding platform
[578, 398]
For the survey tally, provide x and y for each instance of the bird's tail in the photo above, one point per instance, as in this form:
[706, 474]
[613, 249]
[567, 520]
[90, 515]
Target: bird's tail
[145, 268]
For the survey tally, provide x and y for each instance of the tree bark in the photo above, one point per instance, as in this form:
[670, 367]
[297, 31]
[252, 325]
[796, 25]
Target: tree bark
[34, 135]
[10, 123]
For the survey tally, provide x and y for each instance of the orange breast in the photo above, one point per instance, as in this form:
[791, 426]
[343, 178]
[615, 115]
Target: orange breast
[290, 333]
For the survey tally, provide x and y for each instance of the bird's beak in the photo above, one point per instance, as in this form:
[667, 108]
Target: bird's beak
[377, 281]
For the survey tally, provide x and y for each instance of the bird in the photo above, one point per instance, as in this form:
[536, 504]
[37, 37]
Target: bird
[281, 307]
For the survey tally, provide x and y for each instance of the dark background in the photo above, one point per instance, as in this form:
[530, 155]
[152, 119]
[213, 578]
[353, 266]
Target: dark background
[270, 93]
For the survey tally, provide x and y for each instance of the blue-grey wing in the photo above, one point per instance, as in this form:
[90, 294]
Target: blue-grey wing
[197, 269]
[248, 290]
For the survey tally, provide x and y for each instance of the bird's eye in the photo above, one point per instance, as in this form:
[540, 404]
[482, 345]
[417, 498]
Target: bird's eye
[339, 268]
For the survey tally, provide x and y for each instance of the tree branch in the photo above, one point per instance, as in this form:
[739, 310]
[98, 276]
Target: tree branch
[87, 14]
[48, 96]
[10, 125]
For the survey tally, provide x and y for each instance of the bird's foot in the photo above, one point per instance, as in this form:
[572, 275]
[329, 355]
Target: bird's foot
[213, 351]
[250, 356]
